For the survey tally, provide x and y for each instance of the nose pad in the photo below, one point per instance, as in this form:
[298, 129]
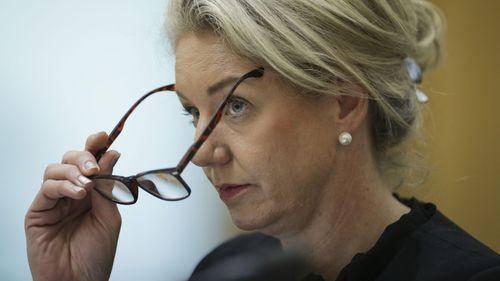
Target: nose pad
[149, 185]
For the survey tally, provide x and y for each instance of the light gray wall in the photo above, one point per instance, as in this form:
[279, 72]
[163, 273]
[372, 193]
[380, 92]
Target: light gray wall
[71, 68]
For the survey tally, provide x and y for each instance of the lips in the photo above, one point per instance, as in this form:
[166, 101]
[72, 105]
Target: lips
[230, 191]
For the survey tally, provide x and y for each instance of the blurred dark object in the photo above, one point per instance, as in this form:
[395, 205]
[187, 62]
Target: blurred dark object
[259, 259]
[249, 267]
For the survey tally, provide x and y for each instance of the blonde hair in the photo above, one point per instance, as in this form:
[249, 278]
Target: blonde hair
[314, 44]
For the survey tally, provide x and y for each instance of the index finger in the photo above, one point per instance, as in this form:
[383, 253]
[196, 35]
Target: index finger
[96, 142]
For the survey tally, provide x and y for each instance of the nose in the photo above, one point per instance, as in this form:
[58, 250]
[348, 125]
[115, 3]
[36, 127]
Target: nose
[214, 151]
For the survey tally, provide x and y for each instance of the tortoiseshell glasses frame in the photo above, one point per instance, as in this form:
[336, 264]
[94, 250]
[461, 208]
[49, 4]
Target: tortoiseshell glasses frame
[145, 180]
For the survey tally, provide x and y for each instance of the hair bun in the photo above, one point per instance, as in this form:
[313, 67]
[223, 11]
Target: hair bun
[430, 28]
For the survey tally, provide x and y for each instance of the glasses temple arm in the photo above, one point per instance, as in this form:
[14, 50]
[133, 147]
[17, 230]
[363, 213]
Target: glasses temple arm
[119, 127]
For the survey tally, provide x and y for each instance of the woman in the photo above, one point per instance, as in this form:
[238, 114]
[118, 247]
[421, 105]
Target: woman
[307, 151]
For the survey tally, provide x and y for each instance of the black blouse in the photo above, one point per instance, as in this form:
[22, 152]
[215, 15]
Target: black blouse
[422, 245]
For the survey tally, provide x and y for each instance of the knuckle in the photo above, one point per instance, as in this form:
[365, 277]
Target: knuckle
[47, 185]
[50, 168]
[68, 156]
[51, 171]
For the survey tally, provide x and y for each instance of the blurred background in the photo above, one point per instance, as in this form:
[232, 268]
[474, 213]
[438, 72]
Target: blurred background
[462, 122]
[72, 68]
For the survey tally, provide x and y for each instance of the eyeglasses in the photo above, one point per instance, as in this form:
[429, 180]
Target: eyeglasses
[166, 184]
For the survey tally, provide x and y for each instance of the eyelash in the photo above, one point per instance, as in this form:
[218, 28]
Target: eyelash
[188, 111]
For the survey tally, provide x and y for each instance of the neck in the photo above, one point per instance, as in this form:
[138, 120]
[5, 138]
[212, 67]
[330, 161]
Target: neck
[349, 219]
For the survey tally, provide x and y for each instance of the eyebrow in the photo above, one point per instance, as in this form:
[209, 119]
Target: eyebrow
[215, 87]
[221, 84]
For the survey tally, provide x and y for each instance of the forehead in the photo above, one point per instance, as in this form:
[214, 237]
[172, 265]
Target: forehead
[207, 54]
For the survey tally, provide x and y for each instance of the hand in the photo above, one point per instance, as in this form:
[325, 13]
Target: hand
[71, 230]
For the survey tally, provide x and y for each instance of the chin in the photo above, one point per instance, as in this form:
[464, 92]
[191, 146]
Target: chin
[255, 219]
[246, 225]
[246, 220]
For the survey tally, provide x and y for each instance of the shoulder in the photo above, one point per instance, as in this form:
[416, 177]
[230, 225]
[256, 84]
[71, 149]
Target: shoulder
[440, 250]
[463, 254]
[445, 234]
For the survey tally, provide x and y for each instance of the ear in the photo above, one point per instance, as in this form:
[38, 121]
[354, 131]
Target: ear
[353, 108]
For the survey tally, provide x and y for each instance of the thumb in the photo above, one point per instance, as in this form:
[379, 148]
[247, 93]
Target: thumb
[108, 161]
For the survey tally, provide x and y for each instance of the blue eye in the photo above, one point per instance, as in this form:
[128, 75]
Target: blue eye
[236, 106]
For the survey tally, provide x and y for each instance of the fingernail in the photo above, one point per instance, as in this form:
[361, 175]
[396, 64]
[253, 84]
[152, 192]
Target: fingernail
[113, 163]
[89, 165]
[83, 180]
[77, 189]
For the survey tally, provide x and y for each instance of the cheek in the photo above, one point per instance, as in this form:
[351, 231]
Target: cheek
[287, 156]
[265, 146]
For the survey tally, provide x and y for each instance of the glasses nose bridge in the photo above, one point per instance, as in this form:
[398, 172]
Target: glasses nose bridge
[132, 185]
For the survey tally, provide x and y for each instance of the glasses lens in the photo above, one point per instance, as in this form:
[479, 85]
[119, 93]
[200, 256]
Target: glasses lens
[114, 190]
[163, 185]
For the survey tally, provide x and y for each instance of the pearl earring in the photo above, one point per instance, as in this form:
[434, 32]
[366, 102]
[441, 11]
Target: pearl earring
[345, 138]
